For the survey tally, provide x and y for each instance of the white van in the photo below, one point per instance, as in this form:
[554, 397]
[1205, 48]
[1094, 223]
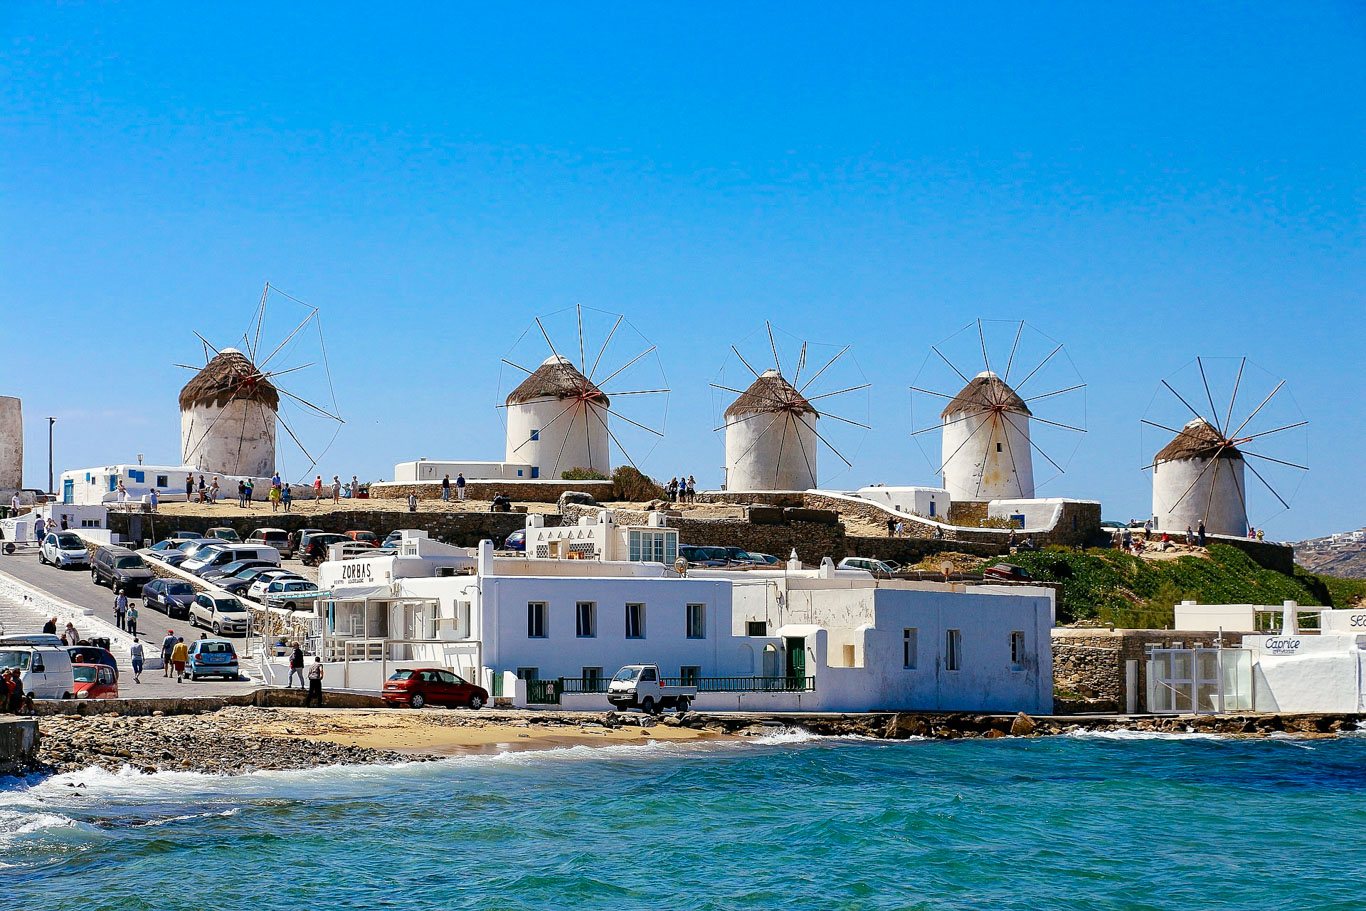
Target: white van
[222, 556]
[45, 672]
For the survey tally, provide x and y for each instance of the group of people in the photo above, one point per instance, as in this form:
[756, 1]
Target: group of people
[69, 636]
[314, 674]
[125, 614]
[41, 528]
[13, 699]
[459, 487]
[681, 489]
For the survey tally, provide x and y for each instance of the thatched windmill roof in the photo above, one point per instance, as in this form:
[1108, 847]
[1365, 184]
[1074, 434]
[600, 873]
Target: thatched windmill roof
[557, 378]
[770, 394]
[985, 392]
[230, 375]
[1197, 440]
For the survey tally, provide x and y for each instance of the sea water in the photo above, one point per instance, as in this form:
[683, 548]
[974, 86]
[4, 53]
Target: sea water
[1097, 822]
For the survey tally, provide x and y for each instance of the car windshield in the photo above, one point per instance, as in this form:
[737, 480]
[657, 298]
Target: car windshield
[229, 606]
[129, 562]
[212, 647]
[70, 542]
[251, 572]
[14, 658]
[84, 674]
[627, 674]
[179, 588]
[300, 587]
[400, 675]
[185, 546]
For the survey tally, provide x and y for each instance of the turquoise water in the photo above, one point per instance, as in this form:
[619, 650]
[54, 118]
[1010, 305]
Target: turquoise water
[1097, 822]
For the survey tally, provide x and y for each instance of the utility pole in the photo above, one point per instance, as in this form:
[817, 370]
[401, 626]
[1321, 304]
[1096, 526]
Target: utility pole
[50, 422]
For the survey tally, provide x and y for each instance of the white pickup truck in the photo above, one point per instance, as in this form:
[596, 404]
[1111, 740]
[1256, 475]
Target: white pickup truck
[639, 686]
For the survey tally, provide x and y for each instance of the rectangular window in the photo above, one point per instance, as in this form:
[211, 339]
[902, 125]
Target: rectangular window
[535, 434]
[688, 675]
[697, 621]
[586, 620]
[162, 481]
[592, 679]
[653, 546]
[1017, 649]
[635, 621]
[756, 627]
[953, 649]
[910, 647]
[528, 673]
[535, 620]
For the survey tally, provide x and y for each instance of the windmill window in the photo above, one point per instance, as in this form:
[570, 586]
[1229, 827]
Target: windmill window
[998, 447]
[535, 434]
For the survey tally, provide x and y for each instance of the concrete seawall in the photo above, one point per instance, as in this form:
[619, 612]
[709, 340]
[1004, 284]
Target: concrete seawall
[18, 743]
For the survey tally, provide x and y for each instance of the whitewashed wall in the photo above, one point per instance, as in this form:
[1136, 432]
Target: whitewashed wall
[767, 454]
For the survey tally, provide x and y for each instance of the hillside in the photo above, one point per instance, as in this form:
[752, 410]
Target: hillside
[1128, 591]
[1341, 555]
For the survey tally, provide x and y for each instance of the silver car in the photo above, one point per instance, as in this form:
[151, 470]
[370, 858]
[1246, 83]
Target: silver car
[226, 616]
[63, 549]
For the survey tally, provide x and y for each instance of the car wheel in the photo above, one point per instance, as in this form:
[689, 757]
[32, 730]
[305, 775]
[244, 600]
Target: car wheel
[216, 630]
[682, 706]
[476, 702]
[41, 558]
[417, 701]
[647, 705]
[94, 577]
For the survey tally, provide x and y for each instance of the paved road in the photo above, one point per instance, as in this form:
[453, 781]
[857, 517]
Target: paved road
[74, 585]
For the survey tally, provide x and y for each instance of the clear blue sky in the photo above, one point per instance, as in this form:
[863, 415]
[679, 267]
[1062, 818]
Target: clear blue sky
[1145, 182]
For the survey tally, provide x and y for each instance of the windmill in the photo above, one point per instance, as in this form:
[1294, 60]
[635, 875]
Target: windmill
[230, 408]
[565, 414]
[993, 426]
[774, 430]
[1199, 475]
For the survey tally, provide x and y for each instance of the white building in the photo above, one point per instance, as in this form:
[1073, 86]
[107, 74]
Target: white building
[986, 447]
[771, 437]
[227, 418]
[93, 486]
[926, 502]
[1198, 477]
[785, 639]
[435, 470]
[557, 420]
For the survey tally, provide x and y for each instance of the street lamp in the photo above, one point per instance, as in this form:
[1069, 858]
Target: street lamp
[50, 422]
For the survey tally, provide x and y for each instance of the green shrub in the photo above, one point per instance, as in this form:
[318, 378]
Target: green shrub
[583, 474]
[632, 486]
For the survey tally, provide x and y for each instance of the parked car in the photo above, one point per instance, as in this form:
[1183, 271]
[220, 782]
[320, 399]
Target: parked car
[94, 681]
[192, 549]
[224, 615]
[359, 549]
[44, 671]
[316, 546]
[759, 559]
[257, 588]
[162, 548]
[231, 569]
[120, 568]
[63, 549]
[868, 564]
[415, 687]
[230, 553]
[277, 538]
[704, 556]
[176, 555]
[212, 658]
[516, 541]
[296, 538]
[364, 537]
[738, 555]
[223, 533]
[170, 596]
[186, 535]
[1008, 572]
[240, 581]
[640, 686]
[285, 586]
[92, 654]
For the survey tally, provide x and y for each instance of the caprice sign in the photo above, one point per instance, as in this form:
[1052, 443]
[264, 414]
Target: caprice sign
[1283, 645]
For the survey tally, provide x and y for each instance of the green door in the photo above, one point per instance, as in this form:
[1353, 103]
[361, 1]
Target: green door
[795, 647]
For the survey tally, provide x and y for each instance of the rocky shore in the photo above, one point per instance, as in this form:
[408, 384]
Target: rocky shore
[239, 739]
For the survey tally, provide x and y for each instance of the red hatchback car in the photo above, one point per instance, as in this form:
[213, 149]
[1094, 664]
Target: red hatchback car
[94, 681]
[415, 687]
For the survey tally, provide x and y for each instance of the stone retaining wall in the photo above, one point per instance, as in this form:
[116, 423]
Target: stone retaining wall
[1078, 523]
[520, 491]
[18, 744]
[753, 497]
[274, 697]
[1091, 662]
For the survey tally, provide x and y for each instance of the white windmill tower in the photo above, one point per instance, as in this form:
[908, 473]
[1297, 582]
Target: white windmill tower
[1199, 476]
[773, 434]
[11, 443]
[989, 426]
[231, 408]
[560, 417]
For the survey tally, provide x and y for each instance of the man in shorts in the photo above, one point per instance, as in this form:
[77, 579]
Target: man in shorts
[167, 646]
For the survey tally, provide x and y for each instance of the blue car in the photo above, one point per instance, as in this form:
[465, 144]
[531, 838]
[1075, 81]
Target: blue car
[515, 541]
[212, 658]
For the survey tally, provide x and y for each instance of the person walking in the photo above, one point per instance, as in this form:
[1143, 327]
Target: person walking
[1148, 530]
[121, 611]
[446, 489]
[336, 489]
[133, 618]
[274, 498]
[38, 528]
[891, 527]
[241, 494]
[189, 487]
[72, 637]
[213, 490]
[412, 501]
[315, 682]
[460, 486]
[50, 627]
[1200, 534]
[296, 665]
[250, 487]
[167, 646]
[318, 487]
[180, 653]
[135, 654]
[286, 497]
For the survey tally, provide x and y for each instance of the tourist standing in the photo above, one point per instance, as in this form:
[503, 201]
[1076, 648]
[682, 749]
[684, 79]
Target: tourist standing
[900, 528]
[318, 487]
[286, 497]
[1148, 530]
[135, 654]
[446, 489]
[296, 665]
[213, 490]
[167, 646]
[152, 499]
[315, 682]
[50, 627]
[250, 488]
[460, 486]
[14, 505]
[1190, 535]
[241, 494]
[180, 653]
[72, 637]
[1200, 533]
[38, 528]
[412, 501]
[355, 487]
[692, 489]
[64, 525]
[133, 619]
[121, 610]
[891, 527]
[189, 487]
[274, 498]
[336, 489]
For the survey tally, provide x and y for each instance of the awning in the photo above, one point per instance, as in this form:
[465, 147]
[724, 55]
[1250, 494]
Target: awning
[303, 596]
